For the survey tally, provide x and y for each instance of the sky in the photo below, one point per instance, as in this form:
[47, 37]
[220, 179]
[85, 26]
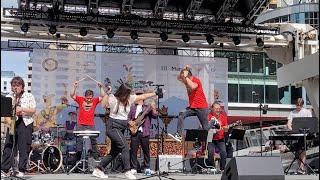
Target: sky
[16, 61]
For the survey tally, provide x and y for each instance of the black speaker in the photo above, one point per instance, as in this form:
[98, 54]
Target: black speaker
[254, 168]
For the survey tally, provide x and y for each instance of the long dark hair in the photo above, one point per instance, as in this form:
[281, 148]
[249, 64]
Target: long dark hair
[122, 94]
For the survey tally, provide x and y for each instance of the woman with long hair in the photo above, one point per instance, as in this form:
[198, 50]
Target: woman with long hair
[119, 105]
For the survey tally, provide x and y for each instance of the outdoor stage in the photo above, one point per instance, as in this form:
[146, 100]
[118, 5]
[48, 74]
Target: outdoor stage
[174, 176]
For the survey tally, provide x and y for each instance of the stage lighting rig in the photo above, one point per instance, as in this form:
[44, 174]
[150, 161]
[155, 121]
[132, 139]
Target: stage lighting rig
[52, 29]
[110, 33]
[134, 34]
[185, 37]
[24, 27]
[236, 40]
[163, 36]
[260, 42]
[83, 31]
[209, 39]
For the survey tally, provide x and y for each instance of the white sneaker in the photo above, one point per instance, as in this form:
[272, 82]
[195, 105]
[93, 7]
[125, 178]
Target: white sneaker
[133, 171]
[129, 175]
[3, 174]
[175, 136]
[98, 173]
[19, 174]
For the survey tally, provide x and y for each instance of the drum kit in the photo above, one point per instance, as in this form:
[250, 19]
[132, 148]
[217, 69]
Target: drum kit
[46, 154]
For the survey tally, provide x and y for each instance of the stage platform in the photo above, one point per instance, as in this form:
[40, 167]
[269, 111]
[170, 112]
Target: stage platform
[177, 176]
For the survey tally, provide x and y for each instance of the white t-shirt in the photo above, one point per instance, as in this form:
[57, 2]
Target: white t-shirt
[122, 113]
[139, 109]
[302, 113]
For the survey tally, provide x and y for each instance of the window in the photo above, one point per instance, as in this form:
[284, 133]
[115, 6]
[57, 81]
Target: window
[284, 95]
[5, 82]
[271, 94]
[232, 92]
[257, 63]
[245, 93]
[29, 76]
[270, 67]
[295, 94]
[245, 65]
[29, 68]
[232, 64]
[259, 95]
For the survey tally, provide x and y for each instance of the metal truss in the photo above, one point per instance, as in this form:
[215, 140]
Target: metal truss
[30, 45]
[160, 7]
[130, 22]
[193, 7]
[258, 8]
[93, 5]
[226, 7]
[126, 6]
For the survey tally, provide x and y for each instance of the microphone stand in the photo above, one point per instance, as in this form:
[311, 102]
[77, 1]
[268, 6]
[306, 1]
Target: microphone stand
[158, 139]
[260, 117]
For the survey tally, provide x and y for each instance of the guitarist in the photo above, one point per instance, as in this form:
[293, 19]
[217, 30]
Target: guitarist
[142, 136]
[219, 120]
[20, 138]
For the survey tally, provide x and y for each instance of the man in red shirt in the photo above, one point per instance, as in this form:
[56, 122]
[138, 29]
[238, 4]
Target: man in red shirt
[198, 105]
[218, 120]
[87, 106]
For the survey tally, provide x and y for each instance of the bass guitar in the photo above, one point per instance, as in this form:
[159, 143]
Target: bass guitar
[139, 120]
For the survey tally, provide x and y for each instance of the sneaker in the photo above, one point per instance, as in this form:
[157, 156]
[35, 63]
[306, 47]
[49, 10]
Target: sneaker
[129, 175]
[98, 173]
[19, 174]
[176, 136]
[133, 171]
[4, 174]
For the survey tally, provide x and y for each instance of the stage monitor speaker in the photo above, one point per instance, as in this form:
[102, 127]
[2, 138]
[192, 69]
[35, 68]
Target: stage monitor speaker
[170, 163]
[254, 168]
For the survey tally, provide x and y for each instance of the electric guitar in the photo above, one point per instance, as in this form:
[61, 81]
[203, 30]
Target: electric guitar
[139, 120]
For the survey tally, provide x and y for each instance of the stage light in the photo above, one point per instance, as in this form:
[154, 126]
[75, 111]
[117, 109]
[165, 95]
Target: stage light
[259, 42]
[185, 37]
[210, 39]
[236, 40]
[83, 31]
[52, 29]
[58, 35]
[24, 27]
[110, 33]
[221, 45]
[163, 36]
[134, 35]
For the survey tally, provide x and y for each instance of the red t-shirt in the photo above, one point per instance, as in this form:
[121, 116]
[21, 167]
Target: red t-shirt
[197, 99]
[86, 117]
[223, 122]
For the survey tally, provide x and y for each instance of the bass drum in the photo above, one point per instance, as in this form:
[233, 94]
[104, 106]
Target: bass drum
[50, 157]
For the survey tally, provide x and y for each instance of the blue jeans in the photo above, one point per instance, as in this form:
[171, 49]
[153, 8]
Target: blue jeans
[220, 144]
[201, 113]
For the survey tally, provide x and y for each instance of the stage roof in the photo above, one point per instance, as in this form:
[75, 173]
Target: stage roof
[207, 23]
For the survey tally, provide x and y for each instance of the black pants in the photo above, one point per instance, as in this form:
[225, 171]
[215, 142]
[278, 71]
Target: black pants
[220, 144]
[115, 129]
[80, 142]
[21, 142]
[137, 140]
[202, 115]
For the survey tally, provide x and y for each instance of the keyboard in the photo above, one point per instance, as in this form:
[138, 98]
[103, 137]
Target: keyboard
[291, 137]
[86, 133]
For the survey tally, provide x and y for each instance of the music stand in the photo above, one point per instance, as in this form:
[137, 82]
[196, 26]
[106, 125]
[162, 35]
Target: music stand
[6, 106]
[237, 134]
[197, 135]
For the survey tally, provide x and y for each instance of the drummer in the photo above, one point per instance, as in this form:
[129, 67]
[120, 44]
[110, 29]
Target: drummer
[87, 106]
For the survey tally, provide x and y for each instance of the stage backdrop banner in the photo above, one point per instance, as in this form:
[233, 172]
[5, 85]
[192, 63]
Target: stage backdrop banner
[55, 71]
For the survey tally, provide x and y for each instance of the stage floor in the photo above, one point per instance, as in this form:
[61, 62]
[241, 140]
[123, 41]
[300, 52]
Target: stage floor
[177, 176]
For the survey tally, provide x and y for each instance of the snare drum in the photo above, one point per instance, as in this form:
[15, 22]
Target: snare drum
[50, 156]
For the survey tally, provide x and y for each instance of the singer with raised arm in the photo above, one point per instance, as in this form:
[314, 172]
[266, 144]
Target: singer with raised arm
[87, 106]
[119, 105]
[20, 136]
[198, 105]
[299, 111]
[217, 120]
